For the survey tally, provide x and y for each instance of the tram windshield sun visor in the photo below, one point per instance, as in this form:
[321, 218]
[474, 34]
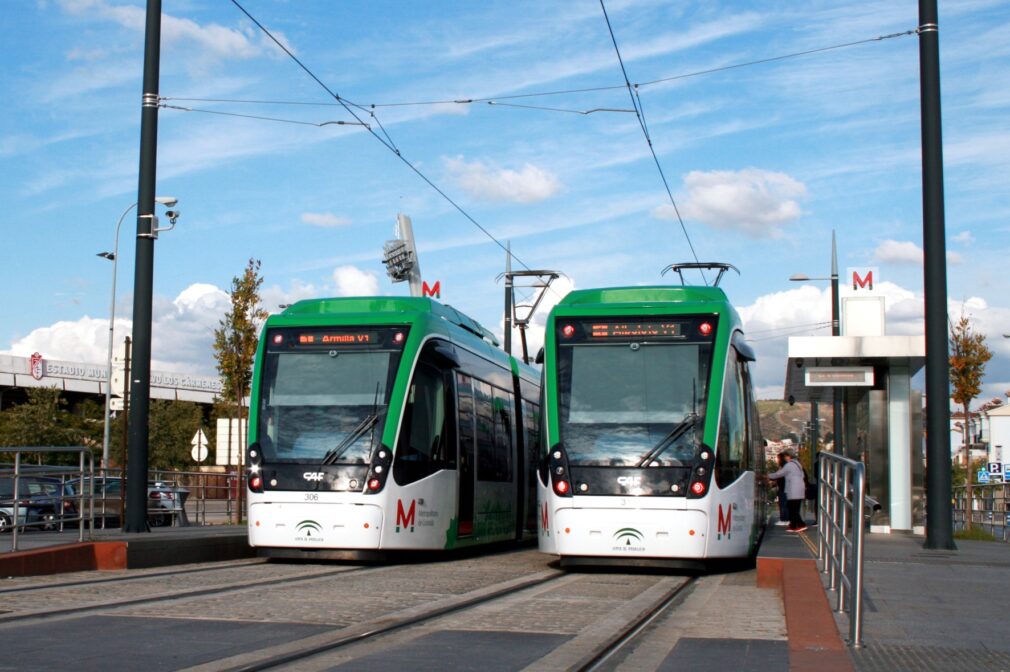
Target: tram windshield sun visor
[633, 390]
[324, 392]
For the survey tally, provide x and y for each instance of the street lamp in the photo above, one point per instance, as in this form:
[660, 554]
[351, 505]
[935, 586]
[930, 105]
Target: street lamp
[169, 202]
[835, 331]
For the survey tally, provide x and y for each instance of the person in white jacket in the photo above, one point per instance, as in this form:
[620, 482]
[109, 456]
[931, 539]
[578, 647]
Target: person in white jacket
[795, 486]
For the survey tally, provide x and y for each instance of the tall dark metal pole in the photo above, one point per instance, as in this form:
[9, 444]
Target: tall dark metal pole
[508, 297]
[140, 385]
[939, 525]
[836, 330]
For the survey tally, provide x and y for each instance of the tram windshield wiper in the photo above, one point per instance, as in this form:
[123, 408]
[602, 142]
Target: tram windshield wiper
[337, 451]
[671, 437]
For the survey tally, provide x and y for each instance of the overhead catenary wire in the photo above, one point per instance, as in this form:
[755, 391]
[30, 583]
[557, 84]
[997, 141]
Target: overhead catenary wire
[387, 143]
[261, 118]
[468, 100]
[640, 113]
[792, 332]
[791, 327]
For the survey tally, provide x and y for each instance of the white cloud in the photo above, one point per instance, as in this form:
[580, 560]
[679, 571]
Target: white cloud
[272, 298]
[898, 252]
[529, 185]
[211, 39]
[326, 220]
[806, 311]
[182, 333]
[755, 202]
[352, 281]
[907, 252]
[963, 238]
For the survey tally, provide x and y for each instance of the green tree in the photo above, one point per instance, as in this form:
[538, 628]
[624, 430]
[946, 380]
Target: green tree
[235, 342]
[968, 357]
[41, 421]
[172, 426]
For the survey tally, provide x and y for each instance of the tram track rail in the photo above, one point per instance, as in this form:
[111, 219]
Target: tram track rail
[232, 587]
[598, 658]
[216, 567]
[277, 657]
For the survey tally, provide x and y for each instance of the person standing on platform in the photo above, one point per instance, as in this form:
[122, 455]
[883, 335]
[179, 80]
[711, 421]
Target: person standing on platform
[780, 484]
[792, 473]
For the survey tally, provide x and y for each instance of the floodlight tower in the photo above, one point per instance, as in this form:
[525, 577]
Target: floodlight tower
[400, 256]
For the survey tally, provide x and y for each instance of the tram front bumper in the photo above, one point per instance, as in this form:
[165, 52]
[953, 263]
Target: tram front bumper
[646, 533]
[298, 525]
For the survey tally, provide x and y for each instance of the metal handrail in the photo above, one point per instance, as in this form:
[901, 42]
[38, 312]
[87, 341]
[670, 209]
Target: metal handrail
[841, 501]
[19, 471]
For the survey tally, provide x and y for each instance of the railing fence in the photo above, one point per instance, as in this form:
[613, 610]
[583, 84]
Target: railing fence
[89, 499]
[841, 500]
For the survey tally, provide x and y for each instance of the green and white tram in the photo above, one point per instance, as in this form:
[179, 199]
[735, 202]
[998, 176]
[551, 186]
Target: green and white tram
[652, 446]
[388, 423]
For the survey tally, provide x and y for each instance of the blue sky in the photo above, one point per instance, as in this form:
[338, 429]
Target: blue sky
[763, 161]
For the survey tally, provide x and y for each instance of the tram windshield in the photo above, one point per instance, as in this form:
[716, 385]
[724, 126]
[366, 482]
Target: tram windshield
[633, 393]
[324, 393]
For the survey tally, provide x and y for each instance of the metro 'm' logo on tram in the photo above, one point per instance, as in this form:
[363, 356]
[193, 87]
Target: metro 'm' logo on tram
[544, 521]
[405, 519]
[725, 522]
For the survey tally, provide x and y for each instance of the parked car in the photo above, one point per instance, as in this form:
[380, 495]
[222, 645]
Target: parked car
[42, 501]
[165, 501]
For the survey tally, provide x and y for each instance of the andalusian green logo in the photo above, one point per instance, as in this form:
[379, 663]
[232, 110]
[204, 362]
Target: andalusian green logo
[309, 528]
[628, 536]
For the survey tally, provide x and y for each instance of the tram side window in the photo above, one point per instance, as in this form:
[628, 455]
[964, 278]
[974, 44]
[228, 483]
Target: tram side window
[542, 439]
[464, 399]
[731, 453]
[503, 430]
[531, 423]
[483, 407]
[426, 443]
[755, 439]
[494, 436]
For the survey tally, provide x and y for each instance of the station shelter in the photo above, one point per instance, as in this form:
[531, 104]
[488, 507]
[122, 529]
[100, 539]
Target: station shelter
[882, 425]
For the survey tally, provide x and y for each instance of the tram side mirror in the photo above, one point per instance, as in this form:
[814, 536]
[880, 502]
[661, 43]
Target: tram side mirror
[446, 356]
[539, 359]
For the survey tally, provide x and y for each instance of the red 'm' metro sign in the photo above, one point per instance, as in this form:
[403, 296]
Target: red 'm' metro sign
[863, 277]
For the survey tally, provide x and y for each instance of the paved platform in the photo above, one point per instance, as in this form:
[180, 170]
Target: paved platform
[923, 609]
[933, 610]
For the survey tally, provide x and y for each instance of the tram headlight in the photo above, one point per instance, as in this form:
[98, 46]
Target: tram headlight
[255, 454]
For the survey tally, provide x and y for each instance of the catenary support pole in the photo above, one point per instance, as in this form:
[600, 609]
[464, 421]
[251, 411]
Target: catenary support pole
[939, 525]
[143, 284]
[508, 297]
[836, 330]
